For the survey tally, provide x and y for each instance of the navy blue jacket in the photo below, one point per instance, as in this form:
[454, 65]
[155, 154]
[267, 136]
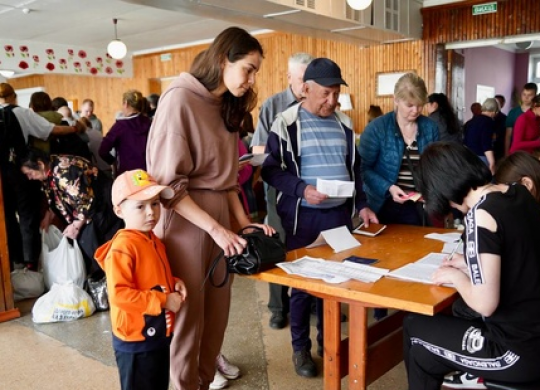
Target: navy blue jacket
[281, 169]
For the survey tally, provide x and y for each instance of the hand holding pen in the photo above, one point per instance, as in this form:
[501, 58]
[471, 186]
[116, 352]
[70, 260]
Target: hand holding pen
[455, 260]
[455, 249]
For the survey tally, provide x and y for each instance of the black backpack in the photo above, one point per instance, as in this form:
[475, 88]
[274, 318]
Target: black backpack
[12, 143]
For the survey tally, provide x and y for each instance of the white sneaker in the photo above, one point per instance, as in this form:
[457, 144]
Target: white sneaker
[463, 380]
[225, 368]
[219, 382]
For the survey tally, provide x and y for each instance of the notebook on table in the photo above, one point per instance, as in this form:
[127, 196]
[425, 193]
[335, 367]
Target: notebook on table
[372, 230]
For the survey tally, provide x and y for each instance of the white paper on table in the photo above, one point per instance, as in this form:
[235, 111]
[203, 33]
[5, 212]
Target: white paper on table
[414, 272]
[434, 259]
[449, 247]
[339, 239]
[421, 270]
[446, 237]
[258, 159]
[336, 188]
[332, 271]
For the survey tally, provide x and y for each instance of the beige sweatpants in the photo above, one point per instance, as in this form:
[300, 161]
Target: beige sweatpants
[201, 322]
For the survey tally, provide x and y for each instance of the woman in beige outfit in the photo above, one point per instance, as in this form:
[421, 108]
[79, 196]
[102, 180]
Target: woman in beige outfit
[193, 147]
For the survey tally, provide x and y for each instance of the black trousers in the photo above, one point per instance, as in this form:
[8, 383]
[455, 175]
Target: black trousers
[279, 298]
[436, 346]
[13, 230]
[30, 200]
[144, 370]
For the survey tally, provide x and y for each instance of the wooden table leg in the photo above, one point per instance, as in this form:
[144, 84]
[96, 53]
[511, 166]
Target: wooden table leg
[358, 346]
[332, 345]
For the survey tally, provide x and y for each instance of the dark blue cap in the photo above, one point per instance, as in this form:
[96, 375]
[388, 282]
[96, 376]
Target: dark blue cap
[324, 72]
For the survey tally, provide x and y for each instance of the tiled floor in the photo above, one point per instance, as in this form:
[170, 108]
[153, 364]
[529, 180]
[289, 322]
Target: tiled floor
[78, 355]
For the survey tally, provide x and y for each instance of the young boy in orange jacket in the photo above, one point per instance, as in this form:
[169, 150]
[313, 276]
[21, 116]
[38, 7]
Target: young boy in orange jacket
[143, 294]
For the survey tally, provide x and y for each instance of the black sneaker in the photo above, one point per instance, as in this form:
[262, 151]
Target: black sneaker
[278, 321]
[304, 364]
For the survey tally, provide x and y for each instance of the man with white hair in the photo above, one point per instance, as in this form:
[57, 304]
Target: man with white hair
[310, 141]
[279, 298]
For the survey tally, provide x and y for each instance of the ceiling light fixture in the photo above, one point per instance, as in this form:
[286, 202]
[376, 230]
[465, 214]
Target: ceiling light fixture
[359, 5]
[116, 48]
[7, 73]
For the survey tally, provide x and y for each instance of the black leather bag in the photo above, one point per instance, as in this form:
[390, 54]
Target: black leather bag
[261, 253]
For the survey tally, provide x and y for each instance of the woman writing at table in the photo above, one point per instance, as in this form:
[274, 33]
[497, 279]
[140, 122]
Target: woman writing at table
[499, 278]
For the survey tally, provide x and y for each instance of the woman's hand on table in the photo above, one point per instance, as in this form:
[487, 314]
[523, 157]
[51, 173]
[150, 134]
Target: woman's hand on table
[451, 271]
[457, 261]
[448, 276]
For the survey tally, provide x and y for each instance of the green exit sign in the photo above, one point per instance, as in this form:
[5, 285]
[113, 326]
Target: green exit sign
[487, 8]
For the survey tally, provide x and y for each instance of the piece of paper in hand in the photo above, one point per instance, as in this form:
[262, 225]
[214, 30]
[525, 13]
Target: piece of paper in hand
[339, 239]
[336, 188]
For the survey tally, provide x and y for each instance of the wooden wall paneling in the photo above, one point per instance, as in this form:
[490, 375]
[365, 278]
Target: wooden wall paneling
[154, 86]
[455, 22]
[359, 66]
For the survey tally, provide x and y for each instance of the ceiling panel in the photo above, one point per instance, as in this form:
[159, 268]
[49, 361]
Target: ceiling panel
[143, 27]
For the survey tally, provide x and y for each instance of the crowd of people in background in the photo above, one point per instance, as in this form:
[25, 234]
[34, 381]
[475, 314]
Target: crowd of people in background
[185, 145]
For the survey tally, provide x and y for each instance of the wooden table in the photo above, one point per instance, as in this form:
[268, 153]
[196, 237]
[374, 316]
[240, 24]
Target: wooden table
[369, 352]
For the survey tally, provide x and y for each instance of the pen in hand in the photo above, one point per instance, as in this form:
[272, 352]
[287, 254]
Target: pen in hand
[454, 250]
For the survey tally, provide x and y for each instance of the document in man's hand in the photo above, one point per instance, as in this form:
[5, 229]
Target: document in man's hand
[336, 188]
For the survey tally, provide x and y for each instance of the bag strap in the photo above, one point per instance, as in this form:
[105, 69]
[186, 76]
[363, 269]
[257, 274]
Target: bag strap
[212, 271]
[215, 262]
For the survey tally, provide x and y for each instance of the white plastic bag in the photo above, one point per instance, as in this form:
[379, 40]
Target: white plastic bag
[65, 302]
[50, 240]
[63, 264]
[26, 284]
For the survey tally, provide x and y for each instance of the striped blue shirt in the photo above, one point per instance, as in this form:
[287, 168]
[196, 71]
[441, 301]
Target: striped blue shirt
[323, 153]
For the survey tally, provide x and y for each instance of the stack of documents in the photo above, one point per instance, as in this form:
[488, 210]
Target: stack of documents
[332, 271]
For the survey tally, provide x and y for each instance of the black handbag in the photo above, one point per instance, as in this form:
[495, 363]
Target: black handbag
[261, 253]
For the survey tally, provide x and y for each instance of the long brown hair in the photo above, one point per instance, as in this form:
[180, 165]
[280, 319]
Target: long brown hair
[515, 167]
[231, 44]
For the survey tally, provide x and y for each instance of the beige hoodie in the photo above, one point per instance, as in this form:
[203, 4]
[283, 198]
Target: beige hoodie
[189, 146]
